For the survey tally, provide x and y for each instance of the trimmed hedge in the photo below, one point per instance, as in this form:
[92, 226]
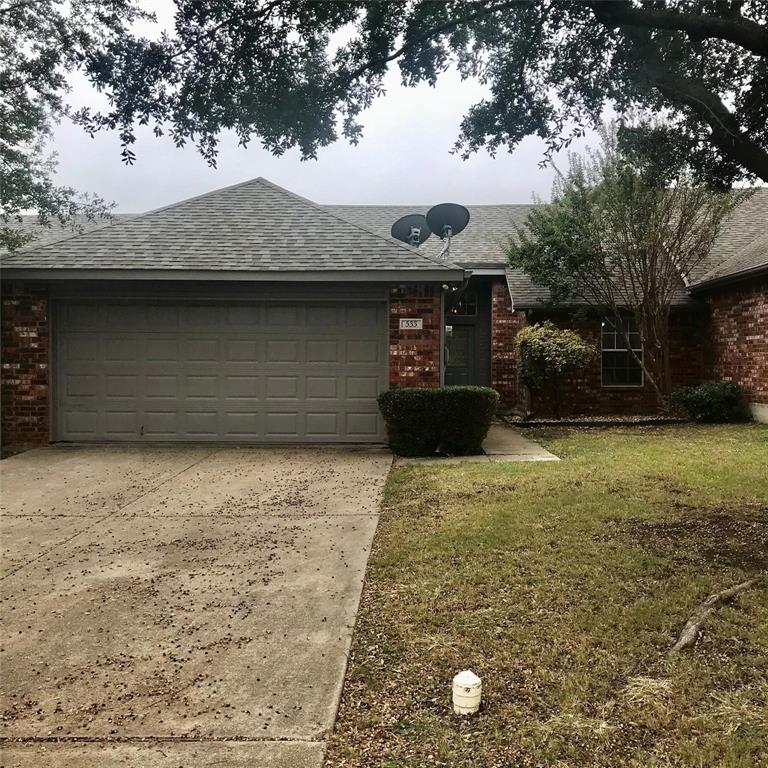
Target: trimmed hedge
[452, 420]
[713, 401]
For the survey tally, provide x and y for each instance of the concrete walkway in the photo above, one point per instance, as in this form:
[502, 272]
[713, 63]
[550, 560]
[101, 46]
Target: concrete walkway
[501, 445]
[179, 606]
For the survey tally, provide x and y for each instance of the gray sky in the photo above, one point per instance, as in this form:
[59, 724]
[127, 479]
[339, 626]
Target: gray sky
[403, 158]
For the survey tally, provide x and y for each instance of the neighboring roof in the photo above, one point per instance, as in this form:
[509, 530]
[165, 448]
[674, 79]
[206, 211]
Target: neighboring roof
[738, 246]
[480, 245]
[251, 228]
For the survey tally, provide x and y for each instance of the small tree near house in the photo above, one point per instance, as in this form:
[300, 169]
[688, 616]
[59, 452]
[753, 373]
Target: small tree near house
[547, 356]
[622, 234]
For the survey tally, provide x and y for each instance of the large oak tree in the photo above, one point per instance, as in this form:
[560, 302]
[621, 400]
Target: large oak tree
[292, 73]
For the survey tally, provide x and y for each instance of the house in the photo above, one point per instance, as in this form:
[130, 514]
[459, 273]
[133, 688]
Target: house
[250, 314]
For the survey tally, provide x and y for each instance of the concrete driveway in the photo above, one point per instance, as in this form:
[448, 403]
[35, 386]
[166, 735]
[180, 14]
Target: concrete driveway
[179, 606]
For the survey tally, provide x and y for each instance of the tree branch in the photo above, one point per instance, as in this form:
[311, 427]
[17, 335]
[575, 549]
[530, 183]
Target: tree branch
[726, 133]
[743, 32]
[428, 35]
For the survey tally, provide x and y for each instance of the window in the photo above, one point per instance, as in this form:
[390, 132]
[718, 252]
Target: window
[465, 305]
[620, 368]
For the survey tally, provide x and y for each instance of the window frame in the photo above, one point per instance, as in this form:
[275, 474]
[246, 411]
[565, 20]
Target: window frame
[468, 294]
[603, 350]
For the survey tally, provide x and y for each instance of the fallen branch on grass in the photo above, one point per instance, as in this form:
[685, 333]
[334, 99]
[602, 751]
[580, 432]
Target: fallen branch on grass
[691, 630]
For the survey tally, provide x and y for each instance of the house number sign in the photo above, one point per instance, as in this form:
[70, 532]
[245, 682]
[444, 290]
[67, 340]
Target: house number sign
[411, 323]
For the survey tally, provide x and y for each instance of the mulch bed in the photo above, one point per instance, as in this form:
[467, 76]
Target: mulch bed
[594, 421]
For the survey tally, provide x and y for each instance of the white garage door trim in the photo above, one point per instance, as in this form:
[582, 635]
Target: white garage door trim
[257, 371]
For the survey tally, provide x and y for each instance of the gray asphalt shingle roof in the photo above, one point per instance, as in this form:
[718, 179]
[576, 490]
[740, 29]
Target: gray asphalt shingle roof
[258, 226]
[54, 230]
[479, 246]
[741, 233]
[254, 227]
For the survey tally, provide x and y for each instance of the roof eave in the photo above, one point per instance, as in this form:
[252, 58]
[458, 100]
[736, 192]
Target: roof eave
[447, 274]
[733, 277]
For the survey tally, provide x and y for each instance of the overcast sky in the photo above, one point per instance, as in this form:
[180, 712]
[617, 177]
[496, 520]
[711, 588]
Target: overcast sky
[404, 157]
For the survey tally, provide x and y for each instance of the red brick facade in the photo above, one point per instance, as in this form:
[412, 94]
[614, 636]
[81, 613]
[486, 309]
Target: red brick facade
[584, 394]
[414, 355]
[505, 323]
[25, 369]
[737, 348]
[728, 341]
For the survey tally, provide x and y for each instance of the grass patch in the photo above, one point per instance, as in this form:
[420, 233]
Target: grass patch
[563, 585]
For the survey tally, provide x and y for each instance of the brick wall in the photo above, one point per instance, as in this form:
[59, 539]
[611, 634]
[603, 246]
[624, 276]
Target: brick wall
[738, 337]
[24, 371]
[584, 393]
[505, 323]
[414, 355]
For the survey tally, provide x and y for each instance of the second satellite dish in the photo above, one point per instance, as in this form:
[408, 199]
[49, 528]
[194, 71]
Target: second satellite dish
[412, 229]
[447, 219]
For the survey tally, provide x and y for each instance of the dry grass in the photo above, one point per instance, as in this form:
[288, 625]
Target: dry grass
[563, 585]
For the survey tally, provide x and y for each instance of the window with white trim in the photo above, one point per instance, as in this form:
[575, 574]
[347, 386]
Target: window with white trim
[620, 366]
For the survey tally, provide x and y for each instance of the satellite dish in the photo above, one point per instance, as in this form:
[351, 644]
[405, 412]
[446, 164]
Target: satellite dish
[447, 219]
[411, 229]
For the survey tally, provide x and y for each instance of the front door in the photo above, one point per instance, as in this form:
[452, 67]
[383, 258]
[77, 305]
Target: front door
[460, 355]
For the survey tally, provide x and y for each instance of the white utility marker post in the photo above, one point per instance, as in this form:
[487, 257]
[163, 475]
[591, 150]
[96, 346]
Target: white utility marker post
[467, 691]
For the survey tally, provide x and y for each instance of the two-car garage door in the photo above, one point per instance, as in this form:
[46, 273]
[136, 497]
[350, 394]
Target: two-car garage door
[261, 371]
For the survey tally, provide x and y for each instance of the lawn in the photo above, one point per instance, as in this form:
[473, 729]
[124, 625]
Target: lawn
[563, 585]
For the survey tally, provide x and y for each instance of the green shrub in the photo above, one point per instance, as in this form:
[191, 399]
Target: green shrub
[412, 419]
[547, 355]
[467, 413]
[713, 401]
[421, 422]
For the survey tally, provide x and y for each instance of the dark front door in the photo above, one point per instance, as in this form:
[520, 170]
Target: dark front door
[460, 355]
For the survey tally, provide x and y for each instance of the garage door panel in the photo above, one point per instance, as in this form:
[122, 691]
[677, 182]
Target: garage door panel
[160, 386]
[160, 349]
[282, 424]
[322, 424]
[362, 424]
[323, 351]
[242, 387]
[80, 346]
[264, 371]
[82, 423]
[367, 351]
[82, 385]
[201, 350]
[160, 424]
[364, 316]
[324, 316]
[362, 387]
[284, 315]
[282, 351]
[121, 424]
[202, 387]
[121, 385]
[282, 388]
[322, 387]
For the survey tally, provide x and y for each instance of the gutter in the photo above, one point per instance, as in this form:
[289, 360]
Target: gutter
[447, 274]
[734, 277]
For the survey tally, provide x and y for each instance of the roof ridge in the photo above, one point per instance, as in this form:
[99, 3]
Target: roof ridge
[389, 240]
[428, 205]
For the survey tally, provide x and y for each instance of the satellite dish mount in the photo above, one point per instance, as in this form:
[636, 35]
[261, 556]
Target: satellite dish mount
[411, 229]
[447, 220]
